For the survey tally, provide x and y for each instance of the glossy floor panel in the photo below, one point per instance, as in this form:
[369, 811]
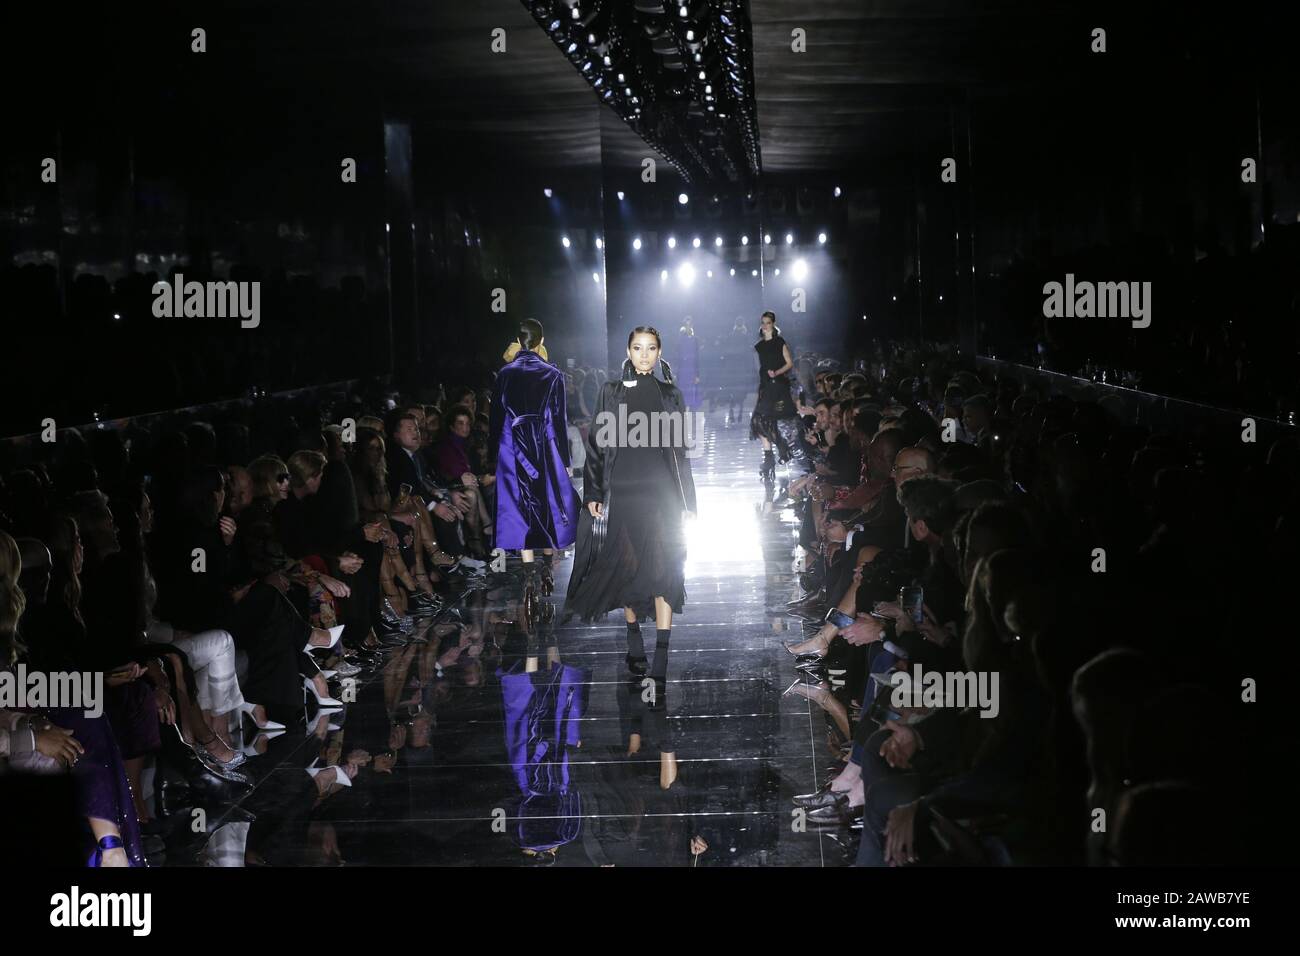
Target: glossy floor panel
[455, 796]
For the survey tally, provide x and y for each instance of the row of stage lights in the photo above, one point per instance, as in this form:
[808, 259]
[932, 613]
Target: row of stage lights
[687, 273]
[718, 241]
[682, 198]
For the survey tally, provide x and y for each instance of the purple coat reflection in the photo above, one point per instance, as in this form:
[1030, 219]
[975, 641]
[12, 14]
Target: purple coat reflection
[536, 504]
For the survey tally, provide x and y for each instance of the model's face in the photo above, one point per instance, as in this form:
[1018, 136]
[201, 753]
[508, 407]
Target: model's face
[644, 352]
[767, 324]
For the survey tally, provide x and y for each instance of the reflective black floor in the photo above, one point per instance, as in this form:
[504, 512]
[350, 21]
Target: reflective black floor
[467, 763]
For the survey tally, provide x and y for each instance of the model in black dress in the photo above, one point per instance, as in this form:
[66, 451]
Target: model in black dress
[642, 486]
[775, 420]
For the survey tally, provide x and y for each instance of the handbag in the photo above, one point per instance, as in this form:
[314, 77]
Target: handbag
[599, 530]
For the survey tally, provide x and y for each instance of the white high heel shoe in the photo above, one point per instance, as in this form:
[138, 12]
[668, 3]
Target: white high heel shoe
[310, 687]
[335, 633]
[247, 708]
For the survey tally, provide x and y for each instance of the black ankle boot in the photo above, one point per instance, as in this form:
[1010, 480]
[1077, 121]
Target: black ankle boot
[768, 470]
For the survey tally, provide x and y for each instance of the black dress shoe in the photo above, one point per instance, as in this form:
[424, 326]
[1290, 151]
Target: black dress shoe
[824, 797]
[838, 813]
[636, 665]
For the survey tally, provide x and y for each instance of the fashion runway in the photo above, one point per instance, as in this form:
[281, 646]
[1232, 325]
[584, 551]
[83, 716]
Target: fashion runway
[478, 770]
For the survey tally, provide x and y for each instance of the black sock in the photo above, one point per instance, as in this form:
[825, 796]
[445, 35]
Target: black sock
[635, 647]
[659, 668]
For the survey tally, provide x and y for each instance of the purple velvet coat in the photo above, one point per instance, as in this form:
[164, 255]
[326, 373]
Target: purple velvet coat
[536, 504]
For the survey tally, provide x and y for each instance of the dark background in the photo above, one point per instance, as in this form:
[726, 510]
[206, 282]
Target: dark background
[1123, 166]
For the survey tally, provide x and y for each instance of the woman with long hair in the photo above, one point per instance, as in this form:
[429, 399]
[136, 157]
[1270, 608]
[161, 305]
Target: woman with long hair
[775, 421]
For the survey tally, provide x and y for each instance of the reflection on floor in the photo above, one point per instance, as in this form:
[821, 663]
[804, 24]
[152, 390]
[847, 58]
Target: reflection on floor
[501, 744]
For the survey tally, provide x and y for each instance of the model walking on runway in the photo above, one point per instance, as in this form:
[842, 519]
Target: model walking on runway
[638, 486]
[775, 420]
[536, 504]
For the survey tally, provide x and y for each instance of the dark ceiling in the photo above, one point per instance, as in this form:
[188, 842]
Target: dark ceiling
[878, 77]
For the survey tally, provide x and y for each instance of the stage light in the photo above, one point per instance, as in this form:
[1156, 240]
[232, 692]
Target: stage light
[940, 298]
[683, 198]
[117, 316]
[663, 275]
[686, 274]
[821, 238]
[695, 243]
[893, 298]
[789, 239]
[733, 272]
[564, 241]
[709, 273]
[622, 78]
[718, 242]
[600, 243]
[799, 270]
[744, 240]
[690, 34]
[672, 242]
[778, 272]
[595, 276]
[548, 192]
[767, 238]
[838, 192]
[621, 197]
[636, 243]
[754, 273]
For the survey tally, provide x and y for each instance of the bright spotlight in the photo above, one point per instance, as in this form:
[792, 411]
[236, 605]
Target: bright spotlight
[733, 272]
[767, 238]
[754, 273]
[672, 242]
[564, 241]
[821, 238]
[548, 193]
[595, 277]
[789, 238]
[636, 243]
[663, 275]
[893, 298]
[696, 242]
[744, 240]
[683, 198]
[718, 242]
[838, 192]
[600, 243]
[710, 273]
[686, 274]
[621, 195]
[799, 270]
[778, 272]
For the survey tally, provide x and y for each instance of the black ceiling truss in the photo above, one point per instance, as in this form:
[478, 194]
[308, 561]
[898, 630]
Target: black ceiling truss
[680, 73]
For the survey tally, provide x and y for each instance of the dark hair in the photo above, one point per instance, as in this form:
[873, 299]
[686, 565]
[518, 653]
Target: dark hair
[530, 334]
[766, 314]
[455, 412]
[928, 498]
[646, 330]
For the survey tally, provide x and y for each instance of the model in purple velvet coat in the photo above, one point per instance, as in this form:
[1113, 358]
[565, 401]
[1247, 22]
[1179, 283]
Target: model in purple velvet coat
[536, 504]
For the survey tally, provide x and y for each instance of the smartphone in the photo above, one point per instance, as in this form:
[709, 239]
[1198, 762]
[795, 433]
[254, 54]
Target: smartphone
[838, 618]
[912, 600]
